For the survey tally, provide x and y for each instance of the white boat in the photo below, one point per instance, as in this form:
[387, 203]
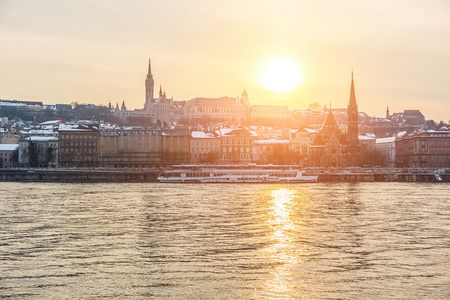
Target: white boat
[251, 173]
[437, 176]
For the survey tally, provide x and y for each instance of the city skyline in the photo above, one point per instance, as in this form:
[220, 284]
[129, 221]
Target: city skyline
[97, 52]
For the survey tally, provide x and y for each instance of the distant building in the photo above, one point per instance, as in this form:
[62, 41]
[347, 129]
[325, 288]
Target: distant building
[407, 117]
[8, 155]
[413, 117]
[269, 112]
[9, 138]
[130, 147]
[423, 149]
[38, 151]
[224, 109]
[273, 152]
[237, 145]
[134, 147]
[331, 147]
[78, 145]
[175, 145]
[205, 147]
[301, 140]
[386, 149]
[367, 149]
[162, 110]
[327, 149]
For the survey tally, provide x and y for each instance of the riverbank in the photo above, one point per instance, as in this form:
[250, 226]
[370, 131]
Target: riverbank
[150, 175]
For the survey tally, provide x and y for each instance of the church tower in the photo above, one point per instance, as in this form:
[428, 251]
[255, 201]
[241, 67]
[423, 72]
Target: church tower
[353, 139]
[149, 86]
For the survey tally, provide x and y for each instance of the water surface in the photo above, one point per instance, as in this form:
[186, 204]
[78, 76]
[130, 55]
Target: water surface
[311, 241]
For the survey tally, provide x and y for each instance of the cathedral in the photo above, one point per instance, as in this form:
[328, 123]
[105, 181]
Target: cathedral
[331, 147]
[162, 109]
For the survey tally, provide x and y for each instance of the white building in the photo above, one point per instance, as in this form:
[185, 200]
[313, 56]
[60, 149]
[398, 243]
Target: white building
[386, 147]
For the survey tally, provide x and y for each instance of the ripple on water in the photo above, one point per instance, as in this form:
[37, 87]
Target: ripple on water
[361, 240]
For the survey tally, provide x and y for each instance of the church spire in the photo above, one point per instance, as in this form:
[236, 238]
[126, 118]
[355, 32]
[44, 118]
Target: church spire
[149, 86]
[352, 103]
[353, 132]
[149, 74]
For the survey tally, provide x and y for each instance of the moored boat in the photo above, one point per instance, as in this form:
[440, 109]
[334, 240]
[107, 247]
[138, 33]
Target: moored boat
[251, 173]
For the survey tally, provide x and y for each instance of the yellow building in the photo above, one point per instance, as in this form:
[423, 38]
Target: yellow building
[205, 147]
[9, 138]
[237, 145]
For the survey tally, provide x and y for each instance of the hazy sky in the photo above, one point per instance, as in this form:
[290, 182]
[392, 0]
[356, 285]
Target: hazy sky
[97, 51]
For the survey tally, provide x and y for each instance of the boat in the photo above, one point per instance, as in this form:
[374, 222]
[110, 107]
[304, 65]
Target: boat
[251, 173]
[437, 176]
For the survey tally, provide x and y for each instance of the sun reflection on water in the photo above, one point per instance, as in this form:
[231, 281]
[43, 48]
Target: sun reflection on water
[284, 206]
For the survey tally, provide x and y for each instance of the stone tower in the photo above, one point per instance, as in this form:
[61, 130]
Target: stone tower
[353, 140]
[149, 87]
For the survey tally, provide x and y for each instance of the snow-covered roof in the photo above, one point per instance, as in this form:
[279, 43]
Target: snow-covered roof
[54, 122]
[39, 132]
[197, 134]
[385, 140]
[9, 147]
[310, 130]
[272, 141]
[42, 138]
[366, 138]
[11, 104]
[76, 127]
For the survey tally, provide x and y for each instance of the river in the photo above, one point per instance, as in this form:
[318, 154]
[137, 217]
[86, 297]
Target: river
[303, 241]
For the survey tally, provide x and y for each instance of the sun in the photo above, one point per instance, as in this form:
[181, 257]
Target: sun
[281, 75]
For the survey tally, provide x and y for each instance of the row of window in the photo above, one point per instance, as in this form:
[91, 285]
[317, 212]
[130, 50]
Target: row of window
[440, 157]
[236, 149]
[216, 143]
[236, 157]
[201, 150]
[77, 150]
[77, 136]
[78, 144]
[440, 150]
[128, 133]
[441, 143]
[236, 142]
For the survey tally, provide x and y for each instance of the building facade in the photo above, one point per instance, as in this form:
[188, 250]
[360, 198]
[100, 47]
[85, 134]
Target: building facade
[8, 155]
[386, 148]
[269, 112]
[38, 151]
[328, 150]
[143, 148]
[78, 146]
[424, 149]
[205, 147]
[237, 145]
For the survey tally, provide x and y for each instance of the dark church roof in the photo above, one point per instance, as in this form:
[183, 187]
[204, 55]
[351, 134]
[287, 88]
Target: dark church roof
[414, 112]
[330, 123]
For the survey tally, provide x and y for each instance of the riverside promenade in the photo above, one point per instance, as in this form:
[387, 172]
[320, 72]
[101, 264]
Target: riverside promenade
[151, 174]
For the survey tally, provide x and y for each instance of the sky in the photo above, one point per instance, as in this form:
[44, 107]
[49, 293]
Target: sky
[97, 51]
